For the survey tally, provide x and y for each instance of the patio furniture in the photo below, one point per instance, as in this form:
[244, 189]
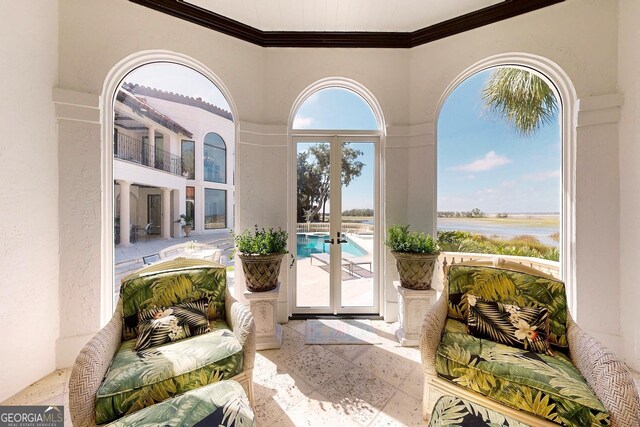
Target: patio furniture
[582, 383]
[456, 412]
[326, 260]
[146, 230]
[219, 404]
[359, 260]
[150, 259]
[110, 380]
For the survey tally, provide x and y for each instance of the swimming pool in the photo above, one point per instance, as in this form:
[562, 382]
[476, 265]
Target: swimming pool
[308, 244]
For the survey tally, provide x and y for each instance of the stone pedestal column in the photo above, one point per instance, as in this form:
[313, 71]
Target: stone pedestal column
[264, 306]
[412, 306]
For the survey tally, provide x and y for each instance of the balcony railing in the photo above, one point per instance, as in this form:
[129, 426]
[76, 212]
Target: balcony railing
[136, 151]
[551, 268]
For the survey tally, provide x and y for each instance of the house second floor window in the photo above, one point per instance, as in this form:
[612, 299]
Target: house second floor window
[215, 158]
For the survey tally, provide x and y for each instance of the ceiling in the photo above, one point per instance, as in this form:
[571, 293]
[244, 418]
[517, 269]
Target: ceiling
[342, 15]
[344, 23]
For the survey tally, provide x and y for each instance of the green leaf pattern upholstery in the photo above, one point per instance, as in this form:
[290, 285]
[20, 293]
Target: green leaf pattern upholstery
[139, 379]
[169, 288]
[221, 404]
[455, 412]
[510, 287]
[548, 386]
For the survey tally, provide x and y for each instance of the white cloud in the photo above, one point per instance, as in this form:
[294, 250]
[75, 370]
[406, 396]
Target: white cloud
[489, 161]
[508, 184]
[541, 176]
[301, 122]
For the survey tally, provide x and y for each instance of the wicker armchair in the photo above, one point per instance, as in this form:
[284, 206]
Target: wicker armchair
[609, 378]
[95, 358]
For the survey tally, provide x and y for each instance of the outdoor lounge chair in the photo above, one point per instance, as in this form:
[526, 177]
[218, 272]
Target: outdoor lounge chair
[579, 383]
[358, 260]
[110, 380]
[326, 259]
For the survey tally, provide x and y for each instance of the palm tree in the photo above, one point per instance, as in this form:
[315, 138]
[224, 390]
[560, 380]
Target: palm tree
[521, 97]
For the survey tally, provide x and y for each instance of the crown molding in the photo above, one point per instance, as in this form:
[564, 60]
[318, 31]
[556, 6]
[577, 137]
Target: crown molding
[336, 39]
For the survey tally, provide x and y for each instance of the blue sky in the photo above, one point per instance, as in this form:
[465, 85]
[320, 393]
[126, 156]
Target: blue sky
[336, 108]
[484, 163]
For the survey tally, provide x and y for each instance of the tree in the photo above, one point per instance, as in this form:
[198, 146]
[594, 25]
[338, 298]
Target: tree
[521, 97]
[314, 186]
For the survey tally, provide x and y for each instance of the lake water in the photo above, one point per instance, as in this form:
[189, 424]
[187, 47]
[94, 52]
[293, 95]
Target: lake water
[505, 231]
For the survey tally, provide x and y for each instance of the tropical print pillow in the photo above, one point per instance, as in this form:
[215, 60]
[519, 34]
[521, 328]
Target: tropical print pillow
[511, 287]
[161, 325]
[521, 327]
[171, 287]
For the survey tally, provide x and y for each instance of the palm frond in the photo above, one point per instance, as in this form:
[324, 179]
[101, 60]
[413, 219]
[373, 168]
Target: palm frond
[522, 98]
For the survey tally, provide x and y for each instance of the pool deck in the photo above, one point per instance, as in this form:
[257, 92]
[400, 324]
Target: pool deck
[357, 280]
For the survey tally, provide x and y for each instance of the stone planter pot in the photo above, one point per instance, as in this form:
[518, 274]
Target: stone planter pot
[261, 271]
[186, 229]
[416, 270]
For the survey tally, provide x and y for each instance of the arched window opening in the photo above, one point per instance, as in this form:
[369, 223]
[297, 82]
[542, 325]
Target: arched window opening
[335, 108]
[215, 158]
[164, 116]
[500, 166]
[336, 135]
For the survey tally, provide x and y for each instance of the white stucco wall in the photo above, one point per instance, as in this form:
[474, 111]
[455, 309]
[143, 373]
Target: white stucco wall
[29, 194]
[579, 35]
[629, 154]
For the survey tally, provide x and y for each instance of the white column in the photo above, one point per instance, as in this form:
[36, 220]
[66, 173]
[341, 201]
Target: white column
[166, 213]
[151, 140]
[125, 220]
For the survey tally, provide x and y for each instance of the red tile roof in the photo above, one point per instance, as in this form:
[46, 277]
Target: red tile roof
[139, 90]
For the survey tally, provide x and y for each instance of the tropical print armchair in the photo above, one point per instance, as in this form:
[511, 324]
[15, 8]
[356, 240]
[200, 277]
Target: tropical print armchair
[112, 377]
[578, 383]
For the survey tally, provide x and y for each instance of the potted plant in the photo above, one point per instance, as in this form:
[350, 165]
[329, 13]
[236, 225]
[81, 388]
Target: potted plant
[186, 222]
[416, 255]
[261, 254]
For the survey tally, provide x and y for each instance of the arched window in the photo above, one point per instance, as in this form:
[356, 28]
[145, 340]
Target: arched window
[336, 131]
[335, 108]
[215, 158]
[500, 164]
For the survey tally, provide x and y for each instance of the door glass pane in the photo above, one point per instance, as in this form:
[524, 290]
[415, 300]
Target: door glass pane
[358, 201]
[313, 210]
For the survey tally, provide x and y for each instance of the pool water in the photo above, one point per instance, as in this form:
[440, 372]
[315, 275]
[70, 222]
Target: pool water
[308, 244]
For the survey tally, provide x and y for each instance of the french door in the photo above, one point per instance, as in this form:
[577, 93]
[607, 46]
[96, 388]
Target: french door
[336, 238]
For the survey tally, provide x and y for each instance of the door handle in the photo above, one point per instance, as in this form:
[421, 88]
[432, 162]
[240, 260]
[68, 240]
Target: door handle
[329, 241]
[339, 240]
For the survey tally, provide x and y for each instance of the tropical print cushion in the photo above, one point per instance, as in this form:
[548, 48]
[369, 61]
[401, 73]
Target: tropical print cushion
[137, 379]
[547, 386]
[522, 327]
[169, 288]
[453, 411]
[165, 324]
[221, 404]
[510, 287]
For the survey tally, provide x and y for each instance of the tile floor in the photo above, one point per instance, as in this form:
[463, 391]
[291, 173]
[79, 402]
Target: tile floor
[312, 385]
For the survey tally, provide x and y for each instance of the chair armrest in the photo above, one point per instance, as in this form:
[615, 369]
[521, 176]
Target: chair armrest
[431, 332]
[240, 319]
[89, 370]
[609, 378]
